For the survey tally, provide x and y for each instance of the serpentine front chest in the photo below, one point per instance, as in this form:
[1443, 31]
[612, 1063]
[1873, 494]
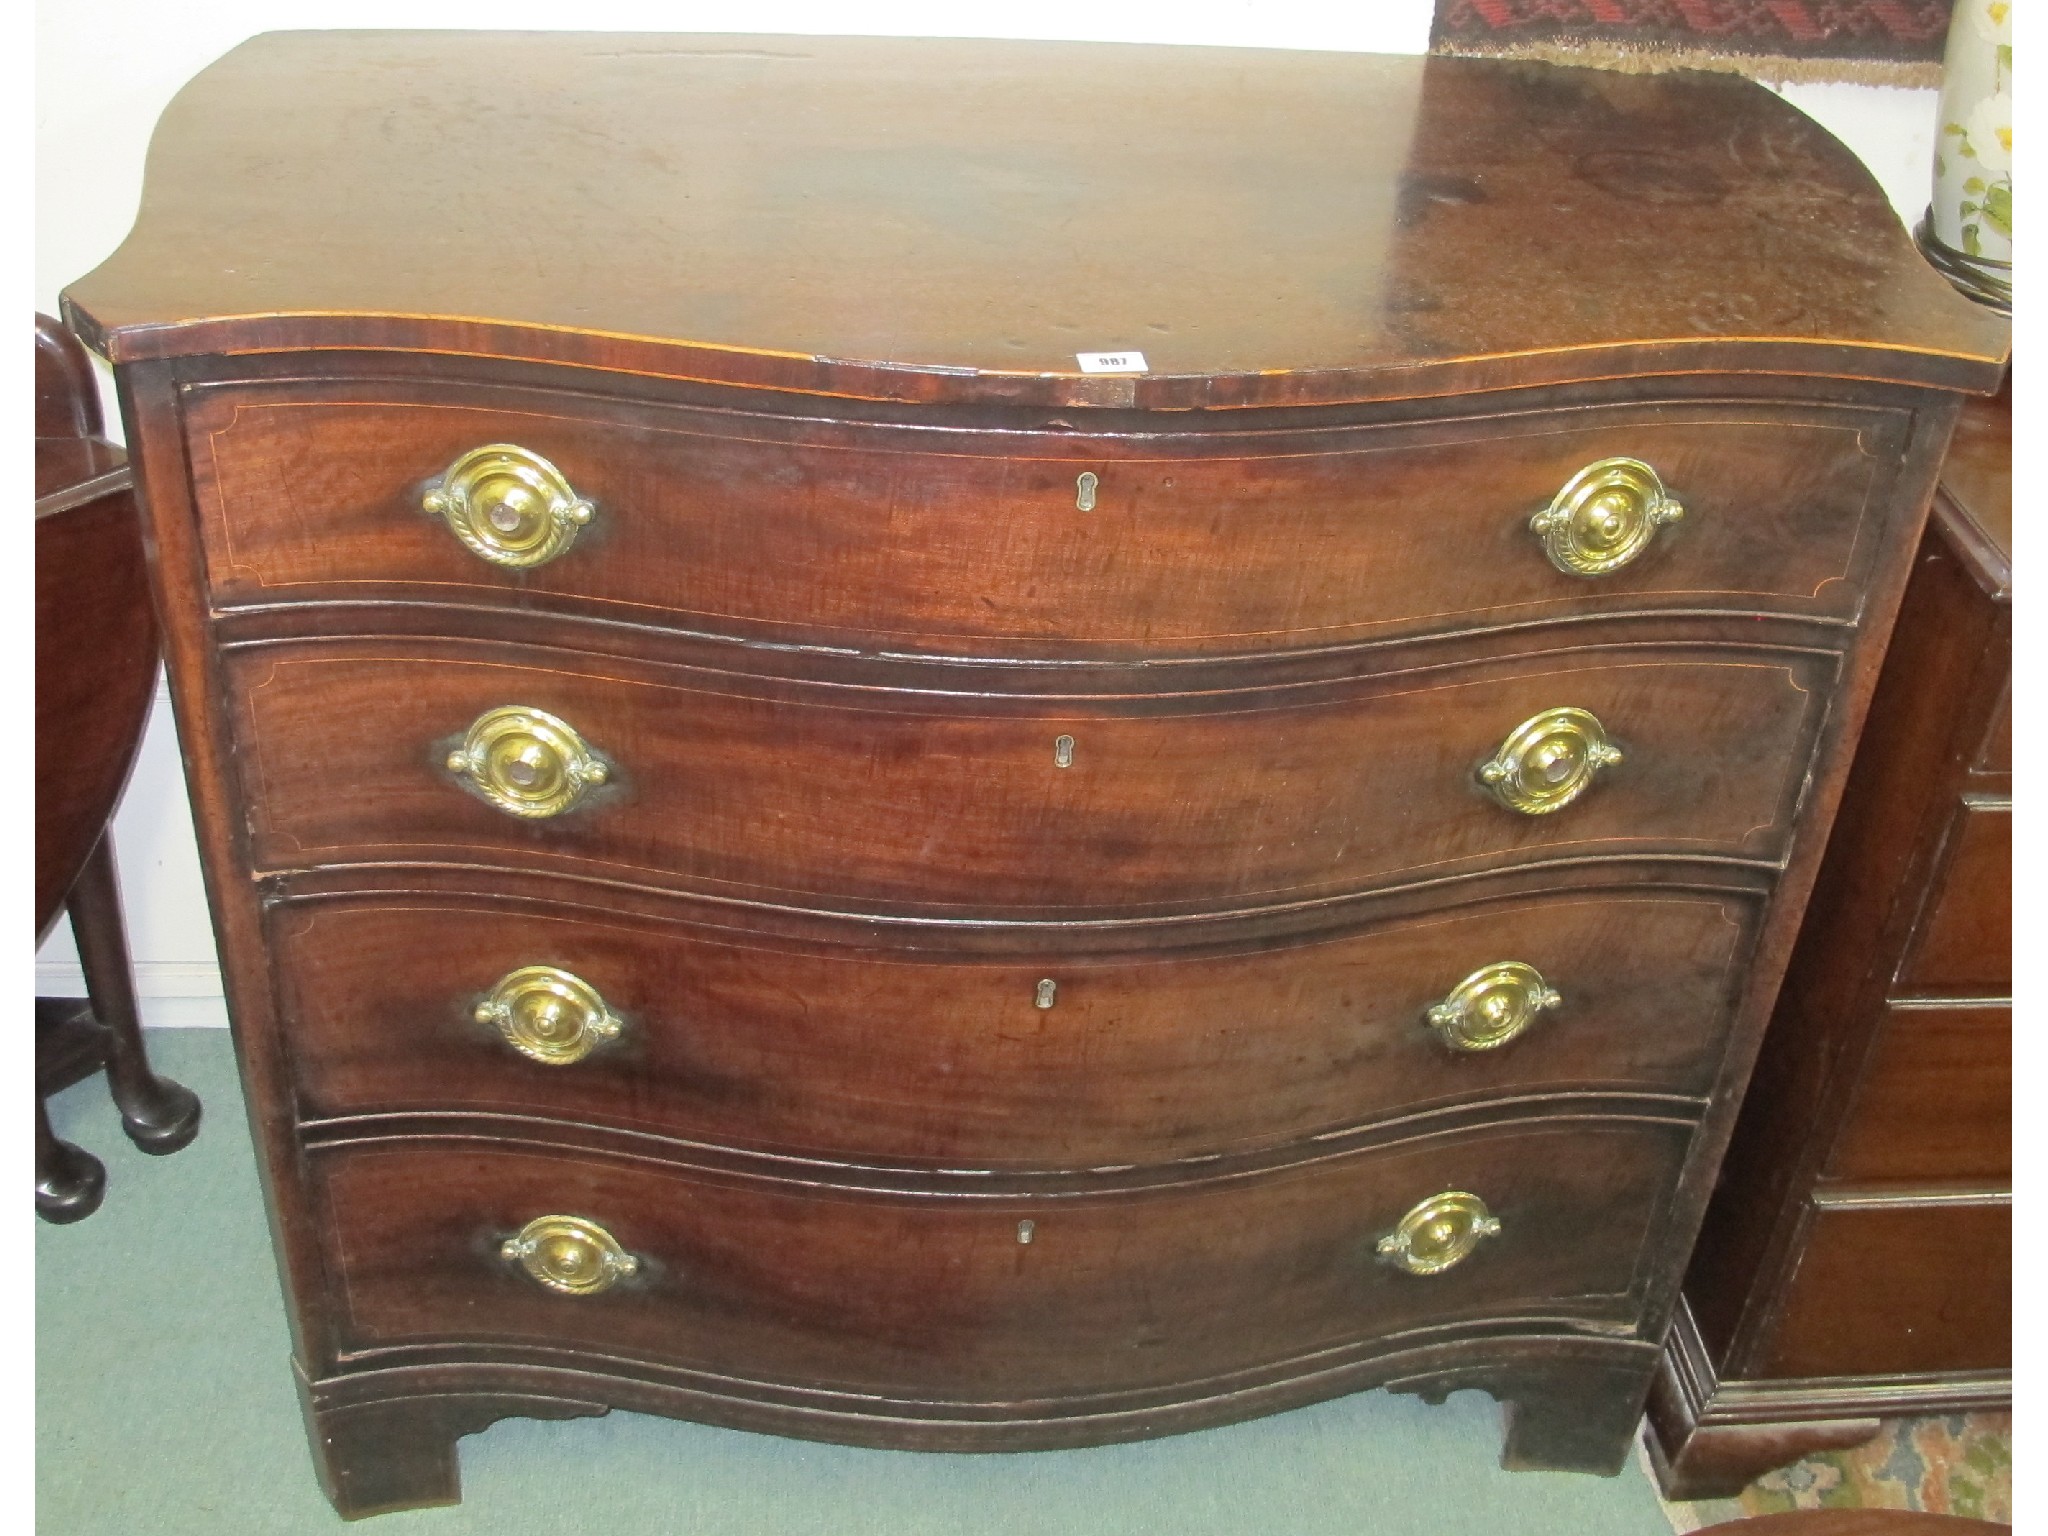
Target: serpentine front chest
[986, 745]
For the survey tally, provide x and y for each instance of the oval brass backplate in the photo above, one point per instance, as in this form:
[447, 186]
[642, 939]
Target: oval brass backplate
[570, 1255]
[509, 506]
[1548, 761]
[527, 762]
[1604, 517]
[1440, 1232]
[1492, 1006]
[548, 1014]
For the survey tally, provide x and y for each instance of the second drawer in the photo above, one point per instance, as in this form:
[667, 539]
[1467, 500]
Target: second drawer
[1031, 1062]
[904, 799]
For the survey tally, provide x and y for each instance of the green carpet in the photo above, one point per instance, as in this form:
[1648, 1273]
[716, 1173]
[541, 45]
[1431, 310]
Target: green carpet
[164, 1404]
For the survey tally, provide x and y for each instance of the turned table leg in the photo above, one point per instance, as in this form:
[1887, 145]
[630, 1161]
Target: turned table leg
[70, 1181]
[159, 1115]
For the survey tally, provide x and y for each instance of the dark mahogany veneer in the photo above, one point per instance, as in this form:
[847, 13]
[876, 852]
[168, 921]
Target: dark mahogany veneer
[1039, 808]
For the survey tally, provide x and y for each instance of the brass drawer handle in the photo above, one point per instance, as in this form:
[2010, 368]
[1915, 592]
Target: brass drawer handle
[549, 1014]
[570, 1255]
[1604, 517]
[510, 506]
[1548, 760]
[1440, 1232]
[526, 762]
[1492, 1006]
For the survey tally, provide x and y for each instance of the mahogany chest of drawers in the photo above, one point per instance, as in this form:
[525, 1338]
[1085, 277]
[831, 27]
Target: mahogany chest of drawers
[789, 850]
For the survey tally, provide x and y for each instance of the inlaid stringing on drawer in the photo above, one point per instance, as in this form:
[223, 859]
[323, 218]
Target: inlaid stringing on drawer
[952, 1298]
[932, 802]
[1049, 1059]
[977, 541]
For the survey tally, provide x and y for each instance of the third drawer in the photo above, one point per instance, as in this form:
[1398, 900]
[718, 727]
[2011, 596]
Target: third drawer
[1030, 1061]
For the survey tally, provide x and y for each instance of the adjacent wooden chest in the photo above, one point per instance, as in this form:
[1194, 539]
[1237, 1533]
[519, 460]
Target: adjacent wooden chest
[1856, 1262]
[790, 850]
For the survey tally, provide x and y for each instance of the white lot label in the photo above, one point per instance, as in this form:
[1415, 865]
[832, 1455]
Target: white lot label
[1111, 362]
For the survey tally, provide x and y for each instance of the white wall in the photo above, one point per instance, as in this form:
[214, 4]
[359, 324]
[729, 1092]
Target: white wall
[105, 72]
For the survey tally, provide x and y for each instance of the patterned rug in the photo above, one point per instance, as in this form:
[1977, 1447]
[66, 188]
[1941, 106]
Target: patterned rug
[1878, 42]
[1946, 1466]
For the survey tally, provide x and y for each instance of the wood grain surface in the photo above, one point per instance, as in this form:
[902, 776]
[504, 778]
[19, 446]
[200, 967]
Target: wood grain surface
[802, 315]
[937, 1301]
[96, 635]
[928, 802]
[942, 539]
[1855, 1262]
[943, 1059]
[1890, 1289]
[960, 219]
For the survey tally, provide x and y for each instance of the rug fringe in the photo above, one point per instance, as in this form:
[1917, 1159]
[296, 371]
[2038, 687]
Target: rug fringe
[1638, 59]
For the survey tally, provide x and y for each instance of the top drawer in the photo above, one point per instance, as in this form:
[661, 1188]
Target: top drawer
[993, 543]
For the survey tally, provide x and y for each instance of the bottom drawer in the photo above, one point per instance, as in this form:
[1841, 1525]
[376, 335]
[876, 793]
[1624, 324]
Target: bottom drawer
[949, 1297]
[1900, 1290]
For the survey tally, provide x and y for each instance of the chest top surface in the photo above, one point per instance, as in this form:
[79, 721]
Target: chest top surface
[956, 220]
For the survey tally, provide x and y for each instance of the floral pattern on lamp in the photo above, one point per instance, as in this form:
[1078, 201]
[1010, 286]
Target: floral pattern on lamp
[1968, 229]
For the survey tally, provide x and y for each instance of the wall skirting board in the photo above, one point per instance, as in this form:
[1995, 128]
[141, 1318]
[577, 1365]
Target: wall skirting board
[174, 994]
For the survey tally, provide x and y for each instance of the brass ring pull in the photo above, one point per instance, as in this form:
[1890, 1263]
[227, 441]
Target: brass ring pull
[1492, 1006]
[1440, 1232]
[509, 506]
[570, 1255]
[526, 762]
[1604, 517]
[551, 1015]
[1548, 760]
